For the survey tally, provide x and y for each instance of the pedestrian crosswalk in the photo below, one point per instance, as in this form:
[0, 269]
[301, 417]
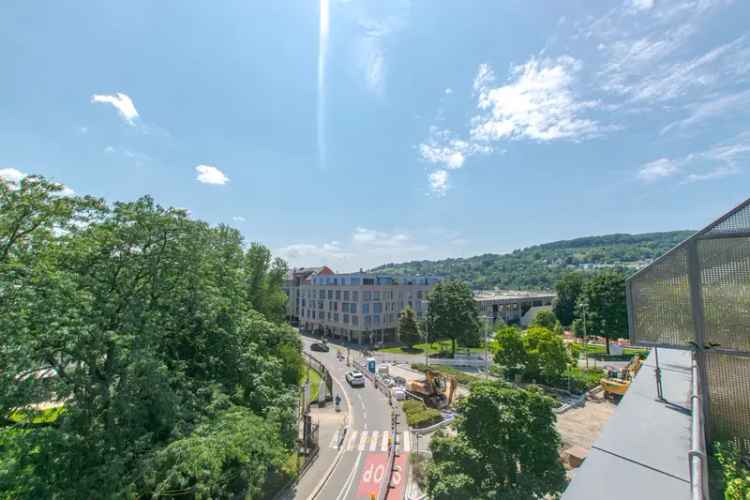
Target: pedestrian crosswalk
[364, 440]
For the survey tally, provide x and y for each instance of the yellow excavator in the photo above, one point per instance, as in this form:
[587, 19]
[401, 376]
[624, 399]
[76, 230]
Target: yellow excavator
[436, 390]
[617, 384]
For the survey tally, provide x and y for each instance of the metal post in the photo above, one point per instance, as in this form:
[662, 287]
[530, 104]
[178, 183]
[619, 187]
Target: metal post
[696, 301]
[657, 372]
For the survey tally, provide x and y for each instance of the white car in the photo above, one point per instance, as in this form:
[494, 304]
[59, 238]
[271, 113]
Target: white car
[355, 378]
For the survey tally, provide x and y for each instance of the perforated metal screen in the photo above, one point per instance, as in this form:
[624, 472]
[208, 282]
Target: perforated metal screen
[697, 297]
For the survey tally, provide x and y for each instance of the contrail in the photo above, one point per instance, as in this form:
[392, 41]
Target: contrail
[322, 55]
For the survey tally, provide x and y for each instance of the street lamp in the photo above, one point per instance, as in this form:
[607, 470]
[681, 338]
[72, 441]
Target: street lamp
[487, 323]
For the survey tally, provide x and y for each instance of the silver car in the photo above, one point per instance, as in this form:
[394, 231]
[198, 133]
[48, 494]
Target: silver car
[355, 378]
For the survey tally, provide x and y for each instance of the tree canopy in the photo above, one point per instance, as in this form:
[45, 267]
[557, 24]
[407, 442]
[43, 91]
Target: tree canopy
[537, 354]
[545, 319]
[149, 328]
[568, 288]
[603, 297]
[506, 447]
[408, 328]
[453, 314]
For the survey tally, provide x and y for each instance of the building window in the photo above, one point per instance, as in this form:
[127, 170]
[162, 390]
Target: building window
[329, 315]
[377, 307]
[365, 308]
[335, 317]
[355, 320]
[330, 294]
[338, 294]
[366, 296]
[346, 295]
[420, 294]
[346, 318]
[355, 296]
[376, 295]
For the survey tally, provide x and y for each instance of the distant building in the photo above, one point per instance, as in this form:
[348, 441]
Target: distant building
[295, 278]
[511, 305]
[360, 307]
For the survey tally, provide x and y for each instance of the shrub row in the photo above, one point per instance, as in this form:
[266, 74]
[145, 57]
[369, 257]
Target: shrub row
[418, 415]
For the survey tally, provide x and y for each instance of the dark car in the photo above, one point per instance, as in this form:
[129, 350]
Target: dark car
[320, 347]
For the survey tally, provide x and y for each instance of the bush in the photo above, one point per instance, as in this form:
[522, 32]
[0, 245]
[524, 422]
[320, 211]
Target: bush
[418, 415]
[581, 380]
[734, 474]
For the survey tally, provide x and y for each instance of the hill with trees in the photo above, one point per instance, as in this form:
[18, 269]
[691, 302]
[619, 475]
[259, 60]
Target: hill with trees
[541, 266]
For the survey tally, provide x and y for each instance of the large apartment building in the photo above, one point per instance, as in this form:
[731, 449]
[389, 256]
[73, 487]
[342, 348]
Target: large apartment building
[295, 278]
[360, 307]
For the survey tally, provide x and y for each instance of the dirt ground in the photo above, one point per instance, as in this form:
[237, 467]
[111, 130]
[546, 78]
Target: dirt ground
[582, 426]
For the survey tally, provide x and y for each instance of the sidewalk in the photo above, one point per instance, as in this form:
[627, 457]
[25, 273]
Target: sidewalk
[331, 425]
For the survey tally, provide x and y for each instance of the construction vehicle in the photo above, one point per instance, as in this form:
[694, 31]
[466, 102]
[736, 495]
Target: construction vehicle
[436, 390]
[617, 383]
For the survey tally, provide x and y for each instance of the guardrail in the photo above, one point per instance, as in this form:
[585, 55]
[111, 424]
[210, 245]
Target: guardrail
[697, 454]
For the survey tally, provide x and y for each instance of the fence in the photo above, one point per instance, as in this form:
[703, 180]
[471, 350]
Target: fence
[697, 297]
[319, 367]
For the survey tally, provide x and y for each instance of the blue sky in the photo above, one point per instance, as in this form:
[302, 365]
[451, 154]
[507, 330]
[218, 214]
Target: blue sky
[387, 130]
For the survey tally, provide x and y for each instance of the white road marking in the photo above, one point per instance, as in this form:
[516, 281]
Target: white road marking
[374, 440]
[334, 440]
[407, 442]
[344, 493]
[384, 444]
[352, 440]
[362, 441]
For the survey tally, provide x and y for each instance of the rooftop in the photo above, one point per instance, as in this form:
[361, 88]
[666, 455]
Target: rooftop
[511, 294]
[643, 450]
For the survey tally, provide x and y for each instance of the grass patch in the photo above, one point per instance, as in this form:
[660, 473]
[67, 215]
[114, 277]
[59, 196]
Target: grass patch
[440, 347]
[315, 380]
[418, 415]
[580, 380]
[462, 377]
[597, 351]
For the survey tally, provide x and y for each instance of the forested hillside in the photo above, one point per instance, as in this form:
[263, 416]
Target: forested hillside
[540, 266]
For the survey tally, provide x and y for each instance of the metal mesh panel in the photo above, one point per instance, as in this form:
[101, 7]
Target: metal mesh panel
[739, 221]
[660, 298]
[729, 396]
[725, 282]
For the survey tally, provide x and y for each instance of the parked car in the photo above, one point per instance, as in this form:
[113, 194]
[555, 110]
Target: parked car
[401, 381]
[320, 347]
[355, 378]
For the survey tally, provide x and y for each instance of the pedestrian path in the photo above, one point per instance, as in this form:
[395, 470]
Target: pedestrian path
[364, 440]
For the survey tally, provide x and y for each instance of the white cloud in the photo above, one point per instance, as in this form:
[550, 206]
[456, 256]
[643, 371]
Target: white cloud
[367, 248]
[658, 169]
[441, 148]
[485, 76]
[718, 161]
[208, 174]
[109, 149]
[727, 104]
[11, 176]
[538, 104]
[439, 182]
[372, 237]
[238, 218]
[122, 102]
[641, 4]
[449, 91]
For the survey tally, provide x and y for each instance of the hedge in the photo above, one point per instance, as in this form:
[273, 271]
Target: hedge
[418, 415]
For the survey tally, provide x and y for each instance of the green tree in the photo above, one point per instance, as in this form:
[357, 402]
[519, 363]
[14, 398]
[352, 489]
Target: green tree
[265, 282]
[545, 319]
[510, 351]
[143, 318]
[453, 314]
[604, 296]
[546, 354]
[408, 328]
[506, 447]
[568, 288]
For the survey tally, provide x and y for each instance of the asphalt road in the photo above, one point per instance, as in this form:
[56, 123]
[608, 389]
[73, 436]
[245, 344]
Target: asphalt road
[363, 463]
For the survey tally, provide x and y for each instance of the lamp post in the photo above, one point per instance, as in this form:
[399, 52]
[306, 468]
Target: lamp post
[487, 323]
